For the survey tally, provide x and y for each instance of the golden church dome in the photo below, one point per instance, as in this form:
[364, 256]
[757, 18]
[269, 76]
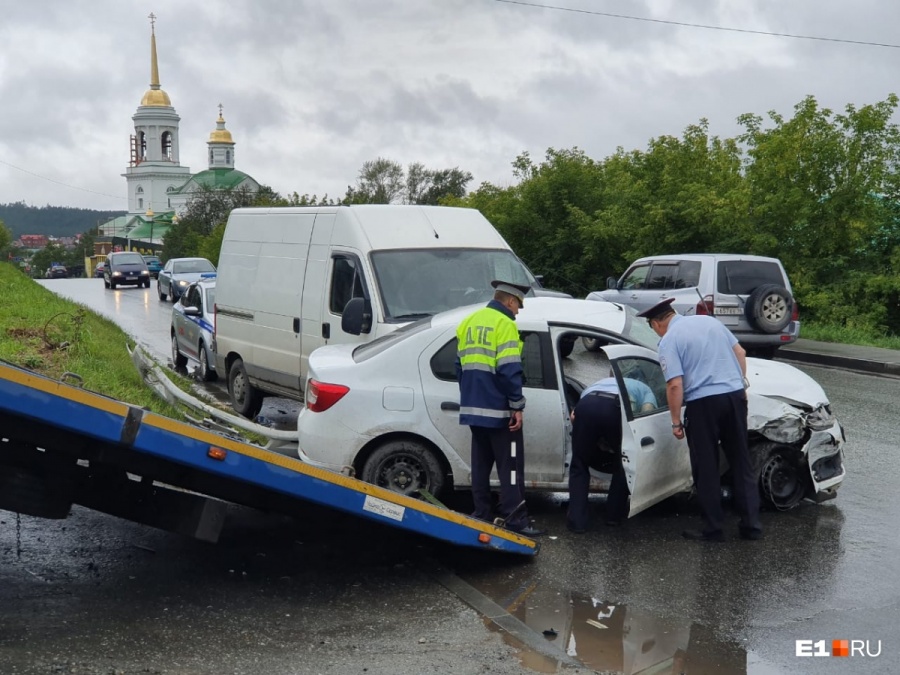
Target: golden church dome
[220, 134]
[156, 97]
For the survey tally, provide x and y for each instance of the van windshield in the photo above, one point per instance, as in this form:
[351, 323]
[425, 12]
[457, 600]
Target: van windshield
[417, 283]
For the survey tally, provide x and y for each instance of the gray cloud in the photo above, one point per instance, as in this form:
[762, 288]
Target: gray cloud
[312, 89]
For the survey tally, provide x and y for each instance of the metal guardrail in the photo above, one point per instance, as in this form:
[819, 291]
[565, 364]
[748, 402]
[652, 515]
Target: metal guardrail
[280, 441]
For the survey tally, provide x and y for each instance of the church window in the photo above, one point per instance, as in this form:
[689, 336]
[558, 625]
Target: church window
[228, 156]
[143, 145]
[167, 144]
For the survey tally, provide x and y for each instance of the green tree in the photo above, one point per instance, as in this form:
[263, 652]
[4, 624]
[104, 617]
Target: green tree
[6, 239]
[824, 188]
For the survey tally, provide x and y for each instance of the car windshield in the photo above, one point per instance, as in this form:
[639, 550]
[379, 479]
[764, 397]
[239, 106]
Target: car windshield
[129, 259]
[192, 267]
[417, 283]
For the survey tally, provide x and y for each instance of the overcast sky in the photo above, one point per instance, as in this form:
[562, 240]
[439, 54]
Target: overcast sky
[311, 89]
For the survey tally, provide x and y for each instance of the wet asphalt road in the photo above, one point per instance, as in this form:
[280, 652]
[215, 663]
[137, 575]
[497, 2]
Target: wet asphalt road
[94, 594]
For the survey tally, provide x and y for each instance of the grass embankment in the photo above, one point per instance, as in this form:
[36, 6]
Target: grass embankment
[847, 336]
[51, 336]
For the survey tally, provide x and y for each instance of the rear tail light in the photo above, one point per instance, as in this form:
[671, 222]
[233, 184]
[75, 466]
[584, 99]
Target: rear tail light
[706, 306]
[795, 312]
[320, 396]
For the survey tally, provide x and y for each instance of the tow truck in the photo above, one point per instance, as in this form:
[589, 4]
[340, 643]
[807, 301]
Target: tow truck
[61, 444]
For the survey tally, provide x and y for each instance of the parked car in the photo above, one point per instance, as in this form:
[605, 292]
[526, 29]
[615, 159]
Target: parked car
[751, 295]
[390, 409]
[179, 273]
[98, 270]
[153, 264]
[57, 272]
[192, 328]
[125, 267]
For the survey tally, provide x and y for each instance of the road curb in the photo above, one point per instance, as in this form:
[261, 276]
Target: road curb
[885, 368]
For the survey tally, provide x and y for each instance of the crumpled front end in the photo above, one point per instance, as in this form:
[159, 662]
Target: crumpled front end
[802, 439]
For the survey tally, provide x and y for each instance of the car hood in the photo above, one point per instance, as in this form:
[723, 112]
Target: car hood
[784, 382]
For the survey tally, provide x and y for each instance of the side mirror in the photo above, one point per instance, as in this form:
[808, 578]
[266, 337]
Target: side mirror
[192, 311]
[539, 278]
[612, 282]
[357, 317]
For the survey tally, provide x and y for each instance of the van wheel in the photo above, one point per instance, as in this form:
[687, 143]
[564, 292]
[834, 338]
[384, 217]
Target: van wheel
[245, 398]
[207, 374]
[404, 466]
[179, 359]
[769, 308]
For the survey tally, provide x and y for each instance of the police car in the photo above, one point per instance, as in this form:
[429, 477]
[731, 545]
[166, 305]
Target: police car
[192, 327]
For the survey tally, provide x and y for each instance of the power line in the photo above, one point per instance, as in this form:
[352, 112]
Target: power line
[700, 25]
[73, 187]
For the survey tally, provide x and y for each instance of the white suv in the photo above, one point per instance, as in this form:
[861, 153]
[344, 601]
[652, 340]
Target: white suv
[750, 294]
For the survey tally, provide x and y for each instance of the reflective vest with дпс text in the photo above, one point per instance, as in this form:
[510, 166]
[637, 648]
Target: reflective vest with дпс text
[490, 360]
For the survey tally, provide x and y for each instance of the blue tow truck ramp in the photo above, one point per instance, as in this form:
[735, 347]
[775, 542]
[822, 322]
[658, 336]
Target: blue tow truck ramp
[62, 444]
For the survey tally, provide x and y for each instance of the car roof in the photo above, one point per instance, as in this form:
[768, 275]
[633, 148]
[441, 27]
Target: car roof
[713, 256]
[539, 312]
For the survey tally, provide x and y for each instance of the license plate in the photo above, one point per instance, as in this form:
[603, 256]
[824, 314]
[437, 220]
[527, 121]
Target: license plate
[721, 311]
[131, 278]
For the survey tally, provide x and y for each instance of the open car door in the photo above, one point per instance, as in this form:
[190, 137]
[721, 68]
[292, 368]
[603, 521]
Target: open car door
[657, 465]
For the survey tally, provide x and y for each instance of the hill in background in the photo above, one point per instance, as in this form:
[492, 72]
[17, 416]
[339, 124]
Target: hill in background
[54, 221]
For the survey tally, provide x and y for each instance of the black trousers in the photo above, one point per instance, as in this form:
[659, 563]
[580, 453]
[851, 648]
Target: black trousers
[711, 420]
[597, 418]
[495, 446]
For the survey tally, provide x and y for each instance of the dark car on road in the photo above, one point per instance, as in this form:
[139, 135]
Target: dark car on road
[125, 268]
[153, 264]
[57, 272]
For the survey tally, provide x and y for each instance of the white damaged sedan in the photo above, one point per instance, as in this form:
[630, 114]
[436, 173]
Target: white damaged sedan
[388, 410]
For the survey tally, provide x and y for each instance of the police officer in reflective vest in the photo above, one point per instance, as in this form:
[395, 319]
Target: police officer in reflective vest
[489, 366]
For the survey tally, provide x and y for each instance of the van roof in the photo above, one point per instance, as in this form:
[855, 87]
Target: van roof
[409, 226]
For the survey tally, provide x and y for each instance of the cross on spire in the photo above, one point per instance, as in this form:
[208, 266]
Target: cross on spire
[152, 18]
[220, 110]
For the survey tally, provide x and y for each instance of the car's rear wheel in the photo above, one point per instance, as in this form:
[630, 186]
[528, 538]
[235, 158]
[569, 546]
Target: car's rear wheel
[783, 479]
[179, 359]
[769, 308]
[245, 398]
[404, 466]
[207, 374]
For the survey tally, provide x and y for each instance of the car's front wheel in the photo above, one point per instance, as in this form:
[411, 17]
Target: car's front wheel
[404, 466]
[179, 359]
[207, 374]
[783, 477]
[159, 292]
[245, 398]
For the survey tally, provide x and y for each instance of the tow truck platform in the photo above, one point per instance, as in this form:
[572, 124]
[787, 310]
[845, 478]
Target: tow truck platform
[62, 445]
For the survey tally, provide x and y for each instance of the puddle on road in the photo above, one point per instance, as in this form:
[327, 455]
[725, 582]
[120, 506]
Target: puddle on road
[616, 638]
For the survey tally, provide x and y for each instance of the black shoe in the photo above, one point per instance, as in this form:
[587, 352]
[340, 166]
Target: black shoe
[575, 529]
[751, 533]
[697, 535]
[529, 531]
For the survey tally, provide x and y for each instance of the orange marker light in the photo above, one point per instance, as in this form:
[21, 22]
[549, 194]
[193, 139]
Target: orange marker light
[484, 538]
[216, 453]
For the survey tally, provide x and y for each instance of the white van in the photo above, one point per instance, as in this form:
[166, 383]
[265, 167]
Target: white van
[296, 278]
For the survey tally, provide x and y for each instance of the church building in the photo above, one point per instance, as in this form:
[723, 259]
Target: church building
[158, 185]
